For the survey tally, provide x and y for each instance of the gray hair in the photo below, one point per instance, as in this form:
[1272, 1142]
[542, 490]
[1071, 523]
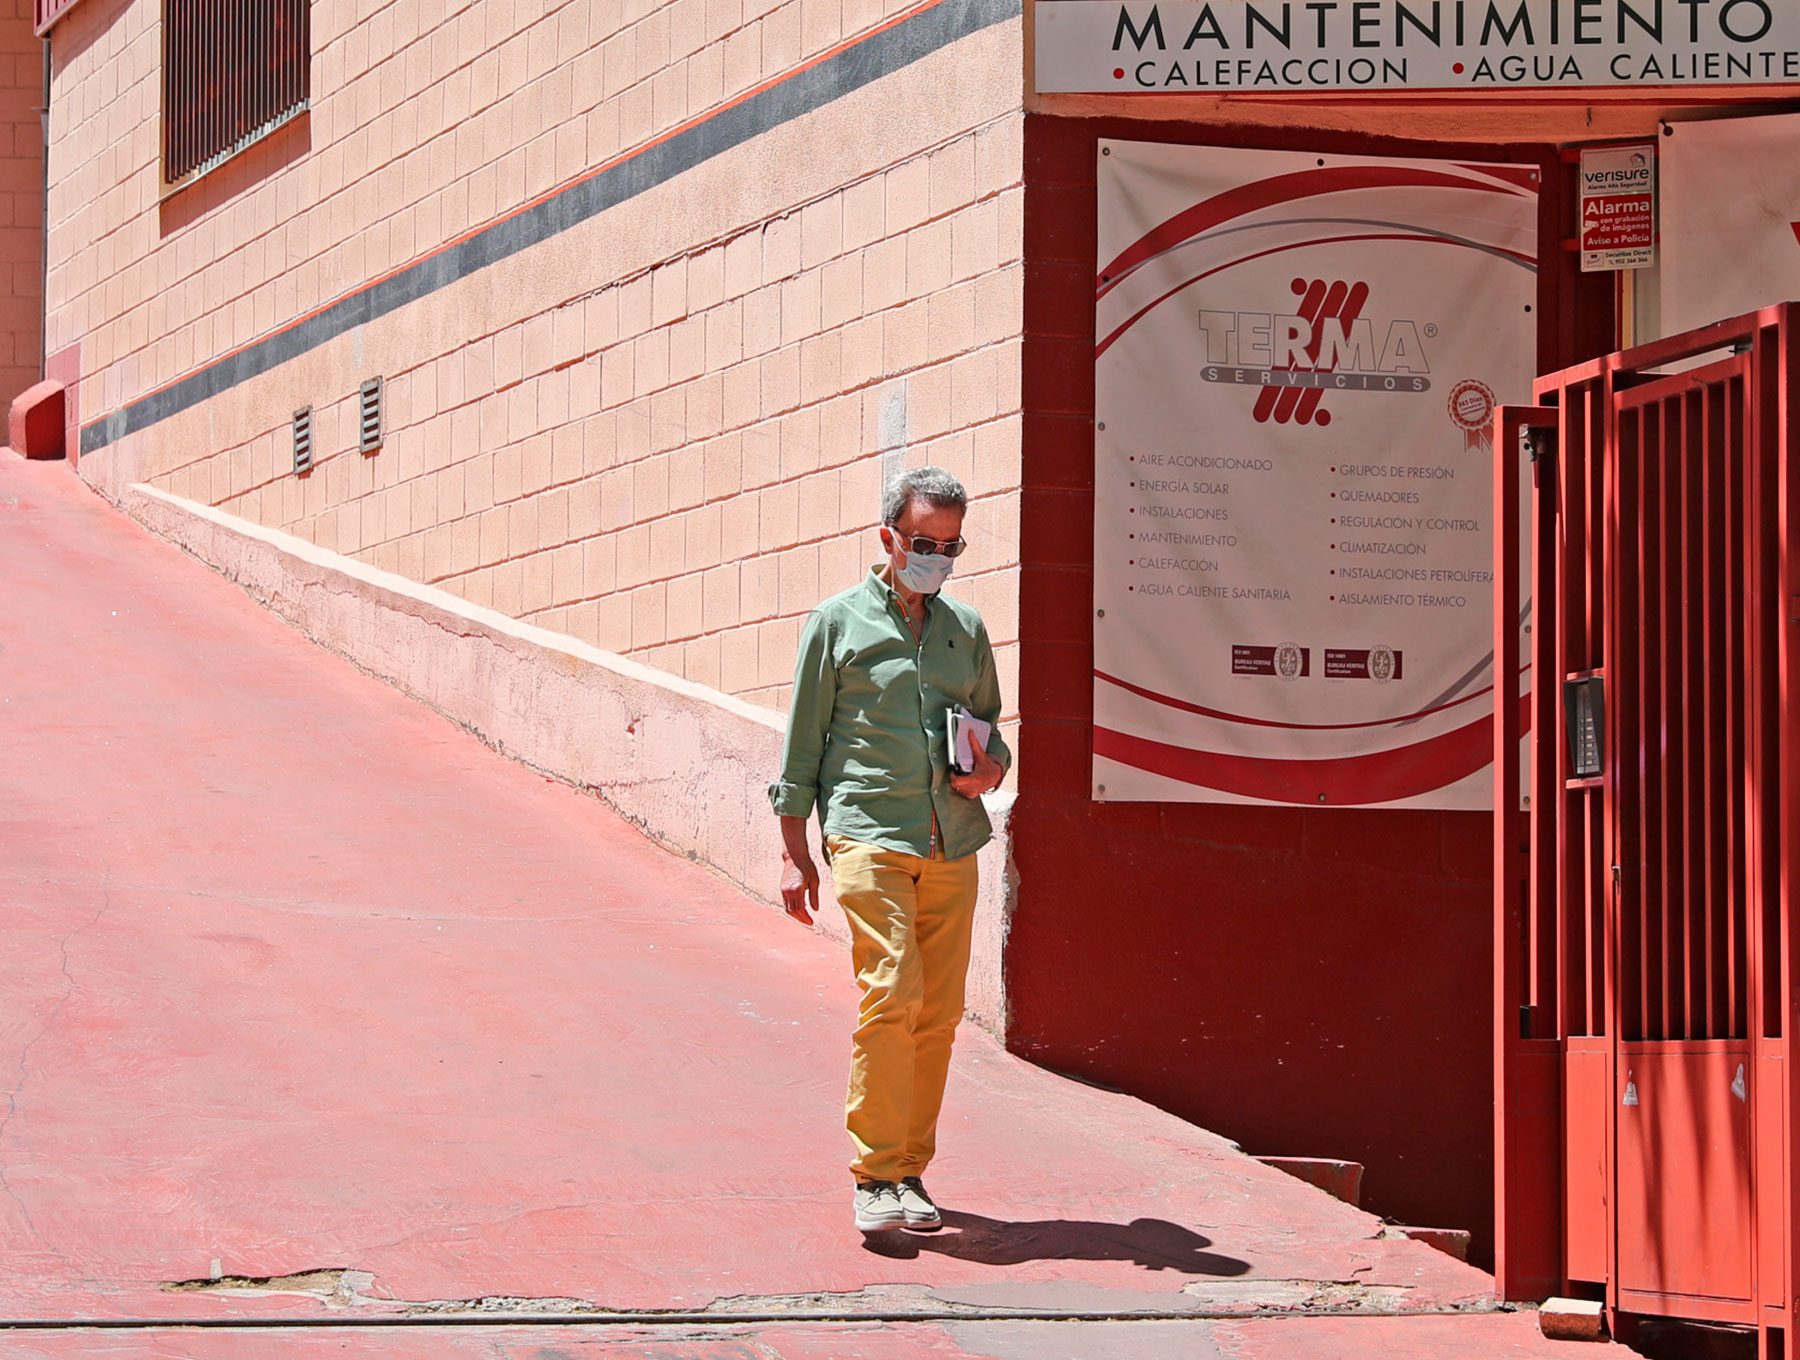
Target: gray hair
[933, 485]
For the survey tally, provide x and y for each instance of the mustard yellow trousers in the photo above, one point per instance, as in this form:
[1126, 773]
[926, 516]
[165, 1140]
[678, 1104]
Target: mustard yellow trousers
[910, 920]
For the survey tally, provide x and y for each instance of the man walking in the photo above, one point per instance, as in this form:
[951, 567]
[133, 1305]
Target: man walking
[880, 667]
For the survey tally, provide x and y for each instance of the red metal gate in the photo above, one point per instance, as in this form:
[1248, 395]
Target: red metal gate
[1645, 983]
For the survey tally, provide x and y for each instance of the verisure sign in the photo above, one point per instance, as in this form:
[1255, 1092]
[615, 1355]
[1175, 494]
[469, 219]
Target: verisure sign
[1273, 46]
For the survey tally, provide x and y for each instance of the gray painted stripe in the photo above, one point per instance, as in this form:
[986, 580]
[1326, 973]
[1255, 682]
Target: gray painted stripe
[878, 55]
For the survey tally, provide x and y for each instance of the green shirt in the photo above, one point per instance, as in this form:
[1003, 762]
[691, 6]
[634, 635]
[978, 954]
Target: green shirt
[866, 734]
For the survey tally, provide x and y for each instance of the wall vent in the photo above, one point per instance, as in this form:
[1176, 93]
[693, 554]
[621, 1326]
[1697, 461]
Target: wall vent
[370, 424]
[303, 441]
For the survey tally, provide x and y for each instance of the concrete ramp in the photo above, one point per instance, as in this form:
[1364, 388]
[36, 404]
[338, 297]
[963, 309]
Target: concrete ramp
[316, 1010]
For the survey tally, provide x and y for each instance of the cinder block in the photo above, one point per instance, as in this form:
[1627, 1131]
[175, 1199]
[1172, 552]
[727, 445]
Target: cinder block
[1342, 1179]
[683, 606]
[865, 213]
[1572, 1320]
[37, 421]
[1450, 1241]
[704, 540]
[821, 231]
[908, 194]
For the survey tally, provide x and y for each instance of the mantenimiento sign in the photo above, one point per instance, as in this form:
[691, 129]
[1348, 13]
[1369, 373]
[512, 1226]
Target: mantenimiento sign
[1220, 46]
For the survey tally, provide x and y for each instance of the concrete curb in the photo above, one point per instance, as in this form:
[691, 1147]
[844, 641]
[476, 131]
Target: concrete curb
[686, 764]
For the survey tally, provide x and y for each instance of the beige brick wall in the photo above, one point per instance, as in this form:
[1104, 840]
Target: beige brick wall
[21, 201]
[663, 431]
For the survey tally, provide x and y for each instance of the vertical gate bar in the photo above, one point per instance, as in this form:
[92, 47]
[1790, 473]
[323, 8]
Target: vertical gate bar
[1675, 727]
[1599, 472]
[1784, 1272]
[1739, 672]
[1580, 556]
[1705, 729]
[1715, 605]
[1569, 619]
[1615, 586]
[1674, 774]
[1565, 623]
[1645, 452]
[1693, 897]
[1625, 976]
[1654, 732]
[1693, 918]
[1770, 609]
[1527, 1255]
[1643, 904]
[1761, 579]
[1693, 891]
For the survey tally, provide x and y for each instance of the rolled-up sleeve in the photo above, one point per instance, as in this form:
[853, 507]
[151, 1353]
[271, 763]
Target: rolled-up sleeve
[809, 721]
[984, 698]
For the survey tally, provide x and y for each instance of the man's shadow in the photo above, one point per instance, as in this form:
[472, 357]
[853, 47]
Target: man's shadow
[1153, 1243]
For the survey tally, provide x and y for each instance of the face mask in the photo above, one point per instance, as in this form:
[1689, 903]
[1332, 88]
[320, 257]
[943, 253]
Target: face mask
[925, 573]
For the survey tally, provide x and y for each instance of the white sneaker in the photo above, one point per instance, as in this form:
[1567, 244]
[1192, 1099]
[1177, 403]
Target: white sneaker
[921, 1214]
[878, 1207]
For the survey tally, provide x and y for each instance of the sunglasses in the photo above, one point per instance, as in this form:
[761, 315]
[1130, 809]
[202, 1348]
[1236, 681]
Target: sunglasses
[928, 547]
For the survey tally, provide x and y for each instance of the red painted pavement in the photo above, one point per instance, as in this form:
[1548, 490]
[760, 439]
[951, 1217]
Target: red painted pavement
[298, 975]
[1493, 1336]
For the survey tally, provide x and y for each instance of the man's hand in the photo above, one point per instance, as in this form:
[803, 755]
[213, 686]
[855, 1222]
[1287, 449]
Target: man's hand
[986, 775]
[799, 876]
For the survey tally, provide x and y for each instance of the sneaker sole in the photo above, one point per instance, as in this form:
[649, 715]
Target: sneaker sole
[925, 1224]
[878, 1225]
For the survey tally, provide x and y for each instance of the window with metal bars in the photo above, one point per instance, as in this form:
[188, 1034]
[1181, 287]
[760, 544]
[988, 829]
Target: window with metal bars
[233, 72]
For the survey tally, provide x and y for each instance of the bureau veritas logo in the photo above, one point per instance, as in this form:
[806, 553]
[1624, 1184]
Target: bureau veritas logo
[1325, 345]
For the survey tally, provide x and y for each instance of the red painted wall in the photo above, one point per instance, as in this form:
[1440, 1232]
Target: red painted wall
[1311, 982]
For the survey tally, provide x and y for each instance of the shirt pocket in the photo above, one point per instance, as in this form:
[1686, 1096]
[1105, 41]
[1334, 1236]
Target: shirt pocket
[952, 668]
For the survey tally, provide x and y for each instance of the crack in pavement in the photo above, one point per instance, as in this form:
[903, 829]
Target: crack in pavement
[24, 1062]
[341, 1288]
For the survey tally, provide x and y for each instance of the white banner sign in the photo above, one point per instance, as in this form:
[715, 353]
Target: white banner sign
[1251, 46]
[1730, 219]
[1296, 368]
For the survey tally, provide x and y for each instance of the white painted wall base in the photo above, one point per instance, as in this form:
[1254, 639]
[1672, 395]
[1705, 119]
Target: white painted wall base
[686, 764]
